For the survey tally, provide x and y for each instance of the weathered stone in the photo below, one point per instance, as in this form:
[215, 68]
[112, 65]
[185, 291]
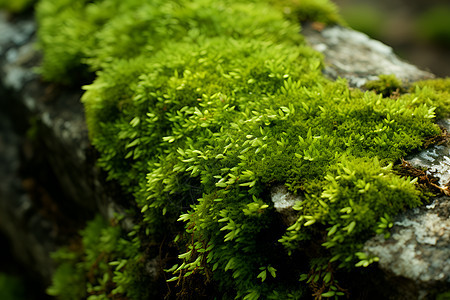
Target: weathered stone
[353, 55]
[436, 159]
[39, 214]
[417, 255]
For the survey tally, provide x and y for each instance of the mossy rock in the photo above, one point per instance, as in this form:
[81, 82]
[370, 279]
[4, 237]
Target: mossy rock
[198, 109]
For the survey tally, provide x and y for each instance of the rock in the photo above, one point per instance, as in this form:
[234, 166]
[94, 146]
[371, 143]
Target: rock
[417, 255]
[436, 159]
[19, 217]
[49, 183]
[353, 55]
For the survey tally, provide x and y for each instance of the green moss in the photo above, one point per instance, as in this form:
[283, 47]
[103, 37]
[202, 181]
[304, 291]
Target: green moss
[141, 27]
[11, 287]
[106, 265]
[443, 296]
[432, 92]
[385, 85]
[198, 109]
[322, 11]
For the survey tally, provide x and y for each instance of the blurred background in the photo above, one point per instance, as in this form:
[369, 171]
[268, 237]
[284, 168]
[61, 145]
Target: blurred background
[418, 30]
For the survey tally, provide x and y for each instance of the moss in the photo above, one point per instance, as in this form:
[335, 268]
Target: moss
[432, 92]
[141, 27]
[435, 92]
[386, 85]
[198, 109]
[443, 296]
[105, 265]
[321, 11]
[11, 287]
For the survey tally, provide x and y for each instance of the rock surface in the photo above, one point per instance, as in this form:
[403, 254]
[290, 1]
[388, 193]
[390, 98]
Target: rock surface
[416, 258]
[283, 201]
[436, 159]
[49, 184]
[353, 55]
[417, 254]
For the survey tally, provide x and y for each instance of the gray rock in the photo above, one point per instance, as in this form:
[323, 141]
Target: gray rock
[283, 201]
[418, 252]
[35, 227]
[416, 258]
[353, 55]
[417, 255]
[435, 159]
[32, 236]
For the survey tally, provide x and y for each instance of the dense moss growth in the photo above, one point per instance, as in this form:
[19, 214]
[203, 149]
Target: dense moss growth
[143, 27]
[386, 85]
[198, 109]
[434, 92]
[321, 11]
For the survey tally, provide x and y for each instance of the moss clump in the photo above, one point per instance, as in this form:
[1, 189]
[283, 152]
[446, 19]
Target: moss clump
[434, 92]
[199, 108]
[107, 265]
[322, 11]
[141, 27]
[385, 85]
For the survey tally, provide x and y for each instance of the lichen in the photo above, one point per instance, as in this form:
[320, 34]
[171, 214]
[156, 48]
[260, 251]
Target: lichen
[198, 109]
